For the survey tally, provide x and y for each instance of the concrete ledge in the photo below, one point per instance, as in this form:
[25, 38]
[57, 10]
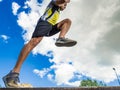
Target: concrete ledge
[65, 88]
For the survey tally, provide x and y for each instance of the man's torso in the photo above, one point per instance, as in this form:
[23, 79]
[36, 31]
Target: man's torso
[51, 14]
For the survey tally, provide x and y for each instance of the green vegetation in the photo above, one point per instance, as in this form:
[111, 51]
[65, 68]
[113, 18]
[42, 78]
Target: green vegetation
[88, 82]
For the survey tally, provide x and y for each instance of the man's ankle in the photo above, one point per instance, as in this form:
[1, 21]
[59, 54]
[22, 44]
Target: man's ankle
[13, 71]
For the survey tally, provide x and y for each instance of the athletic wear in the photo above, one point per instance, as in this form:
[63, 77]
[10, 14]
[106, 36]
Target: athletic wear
[65, 42]
[51, 14]
[11, 79]
[44, 28]
[47, 24]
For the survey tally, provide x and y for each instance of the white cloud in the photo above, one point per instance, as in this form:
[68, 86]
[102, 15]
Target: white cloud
[95, 26]
[64, 72]
[50, 77]
[41, 73]
[4, 38]
[1, 0]
[15, 8]
[28, 20]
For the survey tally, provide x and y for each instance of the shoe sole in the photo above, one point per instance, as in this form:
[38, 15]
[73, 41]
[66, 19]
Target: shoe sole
[69, 44]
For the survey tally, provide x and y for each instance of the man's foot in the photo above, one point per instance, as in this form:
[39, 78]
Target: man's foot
[60, 42]
[11, 80]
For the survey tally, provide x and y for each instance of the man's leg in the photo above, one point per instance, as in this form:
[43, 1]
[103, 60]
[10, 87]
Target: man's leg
[12, 78]
[64, 27]
[25, 51]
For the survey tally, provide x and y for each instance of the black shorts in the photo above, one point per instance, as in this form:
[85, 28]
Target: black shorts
[44, 28]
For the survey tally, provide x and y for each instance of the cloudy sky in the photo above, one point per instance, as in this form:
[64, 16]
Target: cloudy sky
[95, 26]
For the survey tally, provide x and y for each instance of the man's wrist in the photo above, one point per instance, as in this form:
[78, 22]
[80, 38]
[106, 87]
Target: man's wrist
[61, 1]
[67, 1]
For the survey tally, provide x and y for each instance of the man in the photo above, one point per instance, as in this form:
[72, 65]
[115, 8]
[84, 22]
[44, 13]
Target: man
[46, 26]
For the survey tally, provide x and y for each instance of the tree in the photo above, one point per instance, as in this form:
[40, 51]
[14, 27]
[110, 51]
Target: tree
[88, 82]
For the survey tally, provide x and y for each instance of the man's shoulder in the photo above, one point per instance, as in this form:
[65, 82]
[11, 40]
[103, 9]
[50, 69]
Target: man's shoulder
[52, 3]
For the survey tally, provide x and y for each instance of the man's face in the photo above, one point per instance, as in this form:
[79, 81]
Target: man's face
[63, 6]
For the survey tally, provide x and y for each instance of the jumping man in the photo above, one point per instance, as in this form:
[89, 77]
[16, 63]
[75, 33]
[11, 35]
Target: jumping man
[47, 26]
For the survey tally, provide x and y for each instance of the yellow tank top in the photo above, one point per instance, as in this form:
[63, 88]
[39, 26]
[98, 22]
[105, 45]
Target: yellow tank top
[51, 14]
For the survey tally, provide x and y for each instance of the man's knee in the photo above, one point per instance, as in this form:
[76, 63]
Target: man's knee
[64, 23]
[34, 41]
[68, 21]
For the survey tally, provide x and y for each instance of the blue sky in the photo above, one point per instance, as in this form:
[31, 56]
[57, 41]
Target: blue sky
[11, 47]
[47, 65]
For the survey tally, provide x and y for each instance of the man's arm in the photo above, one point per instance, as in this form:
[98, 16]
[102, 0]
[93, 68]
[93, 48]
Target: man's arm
[59, 2]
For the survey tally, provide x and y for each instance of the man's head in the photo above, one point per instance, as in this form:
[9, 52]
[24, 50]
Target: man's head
[63, 6]
[61, 3]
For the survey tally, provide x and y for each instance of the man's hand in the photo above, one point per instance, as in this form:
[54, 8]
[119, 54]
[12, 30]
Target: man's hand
[67, 1]
[58, 2]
